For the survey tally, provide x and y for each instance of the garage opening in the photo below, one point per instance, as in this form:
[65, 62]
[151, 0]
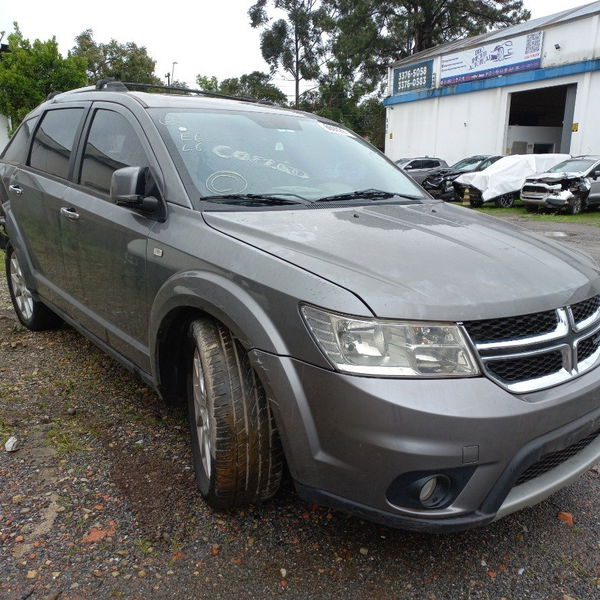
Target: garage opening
[540, 120]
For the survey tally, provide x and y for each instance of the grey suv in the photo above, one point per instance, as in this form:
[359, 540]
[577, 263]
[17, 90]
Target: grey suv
[310, 303]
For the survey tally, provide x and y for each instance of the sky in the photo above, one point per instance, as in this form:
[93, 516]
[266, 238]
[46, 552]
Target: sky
[206, 37]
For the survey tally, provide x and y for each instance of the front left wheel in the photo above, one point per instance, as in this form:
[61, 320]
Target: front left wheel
[31, 312]
[236, 448]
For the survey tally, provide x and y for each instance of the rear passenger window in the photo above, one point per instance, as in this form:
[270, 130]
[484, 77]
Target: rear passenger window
[16, 151]
[111, 144]
[53, 141]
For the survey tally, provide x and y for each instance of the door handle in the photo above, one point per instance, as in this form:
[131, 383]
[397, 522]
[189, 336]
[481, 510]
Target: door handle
[17, 189]
[70, 213]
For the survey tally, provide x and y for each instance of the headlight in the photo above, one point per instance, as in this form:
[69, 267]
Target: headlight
[391, 348]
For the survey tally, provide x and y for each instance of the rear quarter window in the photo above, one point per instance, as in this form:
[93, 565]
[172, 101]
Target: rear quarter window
[17, 148]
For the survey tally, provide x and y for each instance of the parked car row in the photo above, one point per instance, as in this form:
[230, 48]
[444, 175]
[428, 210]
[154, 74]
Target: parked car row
[556, 181]
[501, 182]
[439, 182]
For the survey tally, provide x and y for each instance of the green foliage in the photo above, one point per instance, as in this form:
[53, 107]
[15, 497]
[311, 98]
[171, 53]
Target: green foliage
[125, 62]
[369, 34]
[296, 44]
[208, 84]
[365, 36]
[255, 85]
[31, 71]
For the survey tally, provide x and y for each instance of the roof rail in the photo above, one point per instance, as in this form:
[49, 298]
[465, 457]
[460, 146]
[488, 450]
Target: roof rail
[111, 84]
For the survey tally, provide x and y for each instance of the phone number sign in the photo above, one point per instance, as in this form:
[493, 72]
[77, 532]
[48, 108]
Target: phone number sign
[414, 77]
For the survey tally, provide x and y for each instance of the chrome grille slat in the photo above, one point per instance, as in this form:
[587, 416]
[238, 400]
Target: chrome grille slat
[565, 345]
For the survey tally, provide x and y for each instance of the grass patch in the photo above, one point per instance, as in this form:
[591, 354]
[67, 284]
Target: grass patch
[67, 437]
[5, 431]
[589, 217]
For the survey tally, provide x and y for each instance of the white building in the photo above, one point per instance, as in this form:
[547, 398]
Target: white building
[530, 88]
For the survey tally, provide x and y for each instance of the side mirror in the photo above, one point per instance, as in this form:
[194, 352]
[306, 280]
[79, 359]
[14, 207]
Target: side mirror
[136, 188]
[596, 174]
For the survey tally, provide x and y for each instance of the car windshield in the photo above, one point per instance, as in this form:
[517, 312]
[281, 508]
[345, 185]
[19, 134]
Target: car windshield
[573, 165]
[468, 164]
[486, 163]
[229, 155]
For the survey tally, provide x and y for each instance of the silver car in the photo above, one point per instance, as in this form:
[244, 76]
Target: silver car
[573, 184]
[413, 362]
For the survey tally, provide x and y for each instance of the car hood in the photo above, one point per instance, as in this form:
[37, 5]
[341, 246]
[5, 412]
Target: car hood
[429, 261]
[555, 176]
[443, 173]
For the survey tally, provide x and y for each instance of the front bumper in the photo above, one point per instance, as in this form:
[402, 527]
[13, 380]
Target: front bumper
[348, 438]
[548, 200]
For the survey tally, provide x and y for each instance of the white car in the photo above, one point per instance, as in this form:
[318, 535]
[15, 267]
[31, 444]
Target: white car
[501, 182]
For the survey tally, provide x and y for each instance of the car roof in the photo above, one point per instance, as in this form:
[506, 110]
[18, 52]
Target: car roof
[116, 91]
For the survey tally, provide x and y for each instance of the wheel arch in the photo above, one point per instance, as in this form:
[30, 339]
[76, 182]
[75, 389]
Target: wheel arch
[196, 294]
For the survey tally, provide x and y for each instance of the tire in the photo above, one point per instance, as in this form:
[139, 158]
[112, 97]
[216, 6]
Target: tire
[505, 201]
[31, 312]
[575, 206]
[236, 448]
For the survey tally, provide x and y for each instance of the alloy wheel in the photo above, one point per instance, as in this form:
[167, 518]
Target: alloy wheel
[23, 297]
[201, 416]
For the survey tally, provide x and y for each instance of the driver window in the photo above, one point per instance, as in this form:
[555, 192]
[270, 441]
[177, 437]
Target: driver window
[112, 144]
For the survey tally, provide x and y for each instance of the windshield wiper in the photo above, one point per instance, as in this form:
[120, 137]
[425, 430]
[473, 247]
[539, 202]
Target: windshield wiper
[370, 194]
[256, 199]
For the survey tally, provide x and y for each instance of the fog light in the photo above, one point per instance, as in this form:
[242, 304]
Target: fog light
[428, 490]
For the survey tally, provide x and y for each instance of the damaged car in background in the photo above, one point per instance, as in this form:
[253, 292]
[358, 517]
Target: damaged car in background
[439, 183]
[501, 182]
[573, 185]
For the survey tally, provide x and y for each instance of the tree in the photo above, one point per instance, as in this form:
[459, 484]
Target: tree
[208, 84]
[295, 44]
[125, 62]
[31, 71]
[376, 32]
[255, 85]
[365, 36]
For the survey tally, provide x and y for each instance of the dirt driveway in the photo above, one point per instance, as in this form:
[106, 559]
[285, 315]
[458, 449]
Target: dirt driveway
[99, 502]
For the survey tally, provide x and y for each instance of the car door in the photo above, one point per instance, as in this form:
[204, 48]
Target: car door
[594, 196]
[110, 246]
[37, 190]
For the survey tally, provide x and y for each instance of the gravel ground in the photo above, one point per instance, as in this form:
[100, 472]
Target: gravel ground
[100, 502]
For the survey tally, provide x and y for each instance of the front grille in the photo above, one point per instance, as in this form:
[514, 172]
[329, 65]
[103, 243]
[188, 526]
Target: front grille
[534, 189]
[523, 368]
[587, 347]
[553, 459]
[529, 352]
[512, 328]
[583, 310]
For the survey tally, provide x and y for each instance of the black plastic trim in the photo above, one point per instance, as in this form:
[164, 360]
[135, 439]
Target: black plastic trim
[447, 525]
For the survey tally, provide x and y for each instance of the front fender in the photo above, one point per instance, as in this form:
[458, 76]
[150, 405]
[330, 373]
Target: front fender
[221, 298]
